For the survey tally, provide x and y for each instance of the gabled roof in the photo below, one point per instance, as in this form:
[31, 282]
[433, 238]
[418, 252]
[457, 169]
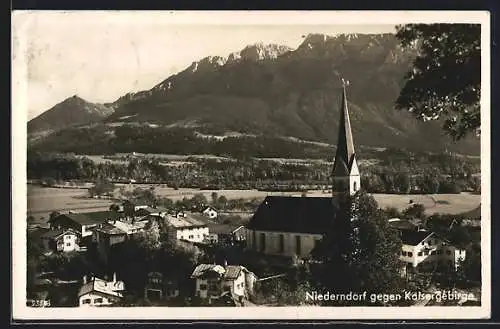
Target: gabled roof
[54, 234]
[230, 272]
[89, 218]
[190, 220]
[223, 228]
[344, 157]
[293, 214]
[102, 286]
[414, 237]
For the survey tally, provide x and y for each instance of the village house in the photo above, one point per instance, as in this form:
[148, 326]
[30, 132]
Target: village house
[226, 233]
[213, 281]
[114, 232]
[210, 212]
[151, 211]
[287, 225]
[82, 222]
[158, 287]
[186, 227]
[421, 247]
[64, 240]
[99, 292]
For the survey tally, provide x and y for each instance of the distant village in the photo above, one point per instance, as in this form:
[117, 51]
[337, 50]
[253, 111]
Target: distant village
[283, 231]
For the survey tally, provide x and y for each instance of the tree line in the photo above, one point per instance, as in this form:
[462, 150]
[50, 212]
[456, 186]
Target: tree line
[394, 173]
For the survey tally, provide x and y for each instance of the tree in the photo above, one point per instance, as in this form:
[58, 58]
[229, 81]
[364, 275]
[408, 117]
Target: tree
[415, 211]
[214, 196]
[54, 214]
[361, 254]
[445, 80]
[101, 187]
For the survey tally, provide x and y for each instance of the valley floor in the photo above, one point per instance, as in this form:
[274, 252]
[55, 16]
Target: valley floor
[41, 201]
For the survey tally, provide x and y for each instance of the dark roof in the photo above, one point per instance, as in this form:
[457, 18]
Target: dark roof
[90, 218]
[345, 146]
[413, 237]
[54, 234]
[293, 214]
[222, 228]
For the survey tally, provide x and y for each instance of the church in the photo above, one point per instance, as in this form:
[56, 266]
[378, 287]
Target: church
[286, 225]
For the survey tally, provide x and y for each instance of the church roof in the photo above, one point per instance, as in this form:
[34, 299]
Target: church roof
[344, 156]
[293, 214]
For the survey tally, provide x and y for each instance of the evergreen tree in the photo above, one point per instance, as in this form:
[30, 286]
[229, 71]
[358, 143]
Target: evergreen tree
[360, 252]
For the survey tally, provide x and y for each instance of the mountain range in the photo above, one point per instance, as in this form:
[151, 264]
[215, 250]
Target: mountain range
[262, 90]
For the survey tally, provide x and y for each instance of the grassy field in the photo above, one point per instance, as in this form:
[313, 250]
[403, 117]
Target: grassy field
[42, 200]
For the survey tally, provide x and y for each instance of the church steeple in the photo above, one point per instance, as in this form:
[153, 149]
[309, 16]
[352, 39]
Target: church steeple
[346, 176]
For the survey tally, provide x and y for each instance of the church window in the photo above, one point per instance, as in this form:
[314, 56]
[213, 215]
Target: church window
[262, 241]
[282, 243]
[297, 245]
[355, 186]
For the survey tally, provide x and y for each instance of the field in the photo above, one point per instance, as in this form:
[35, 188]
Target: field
[43, 200]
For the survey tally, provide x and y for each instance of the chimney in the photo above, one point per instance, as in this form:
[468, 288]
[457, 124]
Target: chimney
[225, 263]
[84, 279]
[114, 277]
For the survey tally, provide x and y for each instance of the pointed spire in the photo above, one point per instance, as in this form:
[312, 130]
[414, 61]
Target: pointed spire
[345, 145]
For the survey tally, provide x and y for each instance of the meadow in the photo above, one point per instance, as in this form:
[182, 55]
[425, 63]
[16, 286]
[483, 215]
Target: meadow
[43, 200]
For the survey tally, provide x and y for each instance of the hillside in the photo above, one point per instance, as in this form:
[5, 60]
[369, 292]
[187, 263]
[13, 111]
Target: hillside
[72, 111]
[271, 91]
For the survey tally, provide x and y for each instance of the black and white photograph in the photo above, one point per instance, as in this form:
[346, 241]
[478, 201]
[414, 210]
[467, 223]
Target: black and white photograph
[295, 165]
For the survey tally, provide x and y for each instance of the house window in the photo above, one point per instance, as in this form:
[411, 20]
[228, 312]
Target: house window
[410, 254]
[68, 244]
[448, 252]
[228, 288]
[191, 237]
[403, 253]
[420, 253]
[203, 287]
[262, 241]
[98, 301]
[86, 301]
[212, 286]
[298, 247]
[433, 252]
[439, 252]
[426, 253]
[282, 243]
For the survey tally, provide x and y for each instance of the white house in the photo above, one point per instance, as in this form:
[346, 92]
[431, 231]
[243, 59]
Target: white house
[98, 292]
[61, 240]
[424, 247]
[210, 212]
[186, 227]
[214, 280]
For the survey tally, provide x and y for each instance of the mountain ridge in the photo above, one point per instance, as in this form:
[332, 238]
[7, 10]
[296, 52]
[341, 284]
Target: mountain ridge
[274, 90]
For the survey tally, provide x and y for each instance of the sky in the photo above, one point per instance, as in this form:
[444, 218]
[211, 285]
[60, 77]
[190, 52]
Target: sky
[101, 56]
